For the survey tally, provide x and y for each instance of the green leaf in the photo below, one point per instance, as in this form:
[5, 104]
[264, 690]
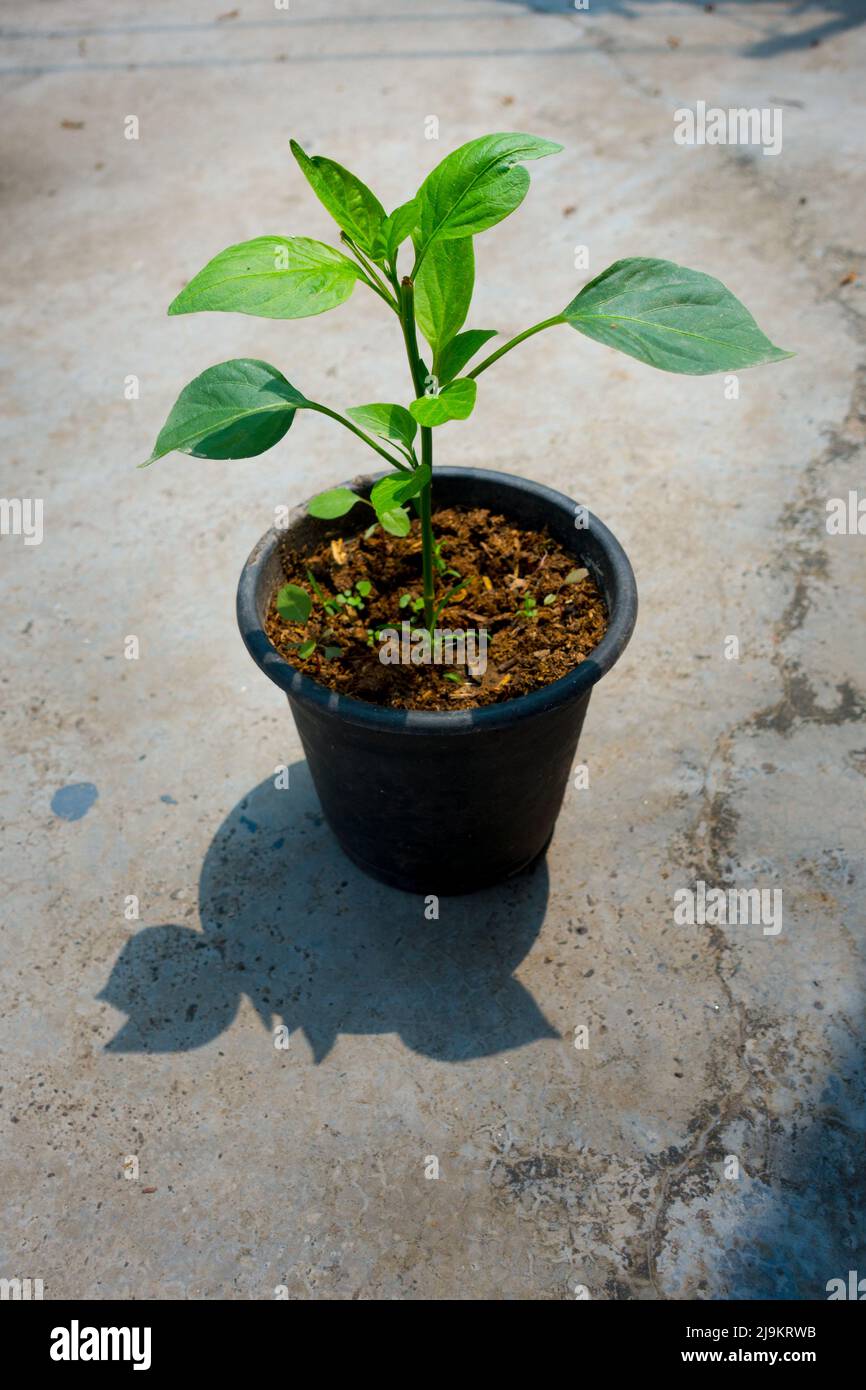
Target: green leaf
[443, 290]
[386, 421]
[390, 493]
[348, 200]
[398, 488]
[336, 502]
[676, 319]
[454, 402]
[232, 411]
[396, 521]
[453, 358]
[294, 604]
[477, 185]
[399, 225]
[273, 277]
[307, 648]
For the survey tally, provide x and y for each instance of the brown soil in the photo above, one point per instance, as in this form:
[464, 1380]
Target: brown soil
[499, 566]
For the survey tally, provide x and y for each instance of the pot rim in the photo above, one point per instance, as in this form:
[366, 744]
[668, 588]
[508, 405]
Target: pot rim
[568, 688]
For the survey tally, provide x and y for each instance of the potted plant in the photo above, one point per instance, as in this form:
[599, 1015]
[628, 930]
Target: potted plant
[434, 776]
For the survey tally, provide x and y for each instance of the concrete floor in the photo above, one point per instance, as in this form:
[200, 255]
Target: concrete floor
[560, 1169]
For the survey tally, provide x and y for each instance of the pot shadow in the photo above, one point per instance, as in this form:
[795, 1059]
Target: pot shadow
[314, 944]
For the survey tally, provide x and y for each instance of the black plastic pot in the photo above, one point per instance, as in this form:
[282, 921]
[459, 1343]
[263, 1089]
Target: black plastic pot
[440, 802]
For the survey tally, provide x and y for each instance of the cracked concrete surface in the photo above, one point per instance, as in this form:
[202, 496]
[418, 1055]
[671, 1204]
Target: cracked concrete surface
[152, 1038]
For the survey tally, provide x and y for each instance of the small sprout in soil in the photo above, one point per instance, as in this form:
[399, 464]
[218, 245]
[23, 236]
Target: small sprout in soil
[294, 604]
[306, 648]
[407, 601]
[529, 608]
[347, 598]
[440, 563]
[453, 676]
[316, 587]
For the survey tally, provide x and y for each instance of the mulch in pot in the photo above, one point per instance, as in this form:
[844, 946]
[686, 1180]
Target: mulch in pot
[542, 612]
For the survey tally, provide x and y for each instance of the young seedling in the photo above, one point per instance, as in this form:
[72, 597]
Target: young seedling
[529, 608]
[416, 605]
[294, 605]
[349, 598]
[440, 563]
[663, 314]
[306, 648]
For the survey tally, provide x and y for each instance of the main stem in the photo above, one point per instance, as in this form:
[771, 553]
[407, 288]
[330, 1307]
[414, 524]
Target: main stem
[425, 499]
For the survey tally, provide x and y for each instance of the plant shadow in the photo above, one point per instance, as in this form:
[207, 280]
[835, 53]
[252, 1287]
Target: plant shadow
[317, 946]
[828, 18]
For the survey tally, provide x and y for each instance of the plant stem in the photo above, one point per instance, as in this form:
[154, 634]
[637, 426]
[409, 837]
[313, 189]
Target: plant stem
[425, 499]
[391, 275]
[506, 347]
[341, 419]
[372, 278]
[425, 512]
